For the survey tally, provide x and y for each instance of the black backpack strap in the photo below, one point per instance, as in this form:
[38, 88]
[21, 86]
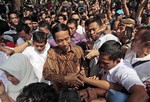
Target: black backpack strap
[138, 63]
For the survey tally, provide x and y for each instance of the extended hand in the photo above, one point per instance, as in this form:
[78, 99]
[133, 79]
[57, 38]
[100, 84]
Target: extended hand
[91, 54]
[73, 80]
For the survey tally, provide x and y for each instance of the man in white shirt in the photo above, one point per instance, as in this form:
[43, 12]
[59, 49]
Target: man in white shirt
[120, 71]
[139, 54]
[117, 71]
[37, 53]
[95, 28]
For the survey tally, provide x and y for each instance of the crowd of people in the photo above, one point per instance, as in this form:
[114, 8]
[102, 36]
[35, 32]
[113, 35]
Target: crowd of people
[76, 51]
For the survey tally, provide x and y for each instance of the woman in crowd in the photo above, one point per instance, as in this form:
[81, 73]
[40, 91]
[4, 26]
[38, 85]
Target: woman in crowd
[19, 72]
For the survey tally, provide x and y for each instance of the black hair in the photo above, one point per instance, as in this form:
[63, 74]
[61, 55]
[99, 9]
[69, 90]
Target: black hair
[87, 22]
[23, 27]
[74, 21]
[43, 23]
[59, 27]
[37, 92]
[26, 18]
[98, 21]
[61, 15]
[3, 26]
[69, 96]
[145, 36]
[39, 37]
[144, 27]
[12, 13]
[111, 48]
[75, 14]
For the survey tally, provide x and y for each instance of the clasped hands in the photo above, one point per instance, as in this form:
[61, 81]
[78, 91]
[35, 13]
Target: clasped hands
[77, 79]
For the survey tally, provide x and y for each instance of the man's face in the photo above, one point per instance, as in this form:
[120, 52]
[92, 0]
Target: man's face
[106, 63]
[72, 28]
[75, 16]
[65, 14]
[63, 40]
[94, 30]
[121, 34]
[135, 46]
[29, 23]
[24, 35]
[35, 25]
[53, 17]
[39, 46]
[60, 19]
[14, 19]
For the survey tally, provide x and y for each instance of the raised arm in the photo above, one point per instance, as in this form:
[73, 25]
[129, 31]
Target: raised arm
[108, 10]
[125, 8]
[140, 9]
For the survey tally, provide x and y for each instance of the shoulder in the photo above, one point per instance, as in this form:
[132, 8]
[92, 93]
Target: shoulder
[77, 50]
[28, 49]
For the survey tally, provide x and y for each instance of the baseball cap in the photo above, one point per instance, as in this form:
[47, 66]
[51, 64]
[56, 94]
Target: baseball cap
[129, 22]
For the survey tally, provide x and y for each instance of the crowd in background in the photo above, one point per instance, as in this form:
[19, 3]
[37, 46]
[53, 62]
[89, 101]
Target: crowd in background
[66, 51]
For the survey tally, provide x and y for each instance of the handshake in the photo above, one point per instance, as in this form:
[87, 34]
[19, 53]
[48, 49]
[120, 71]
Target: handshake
[77, 79]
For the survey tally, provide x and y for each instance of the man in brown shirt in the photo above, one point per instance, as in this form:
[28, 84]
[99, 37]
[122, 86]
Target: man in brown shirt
[64, 61]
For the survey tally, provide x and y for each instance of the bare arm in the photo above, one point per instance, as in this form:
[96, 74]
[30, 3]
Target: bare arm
[140, 9]
[138, 94]
[22, 47]
[101, 84]
[108, 10]
[125, 8]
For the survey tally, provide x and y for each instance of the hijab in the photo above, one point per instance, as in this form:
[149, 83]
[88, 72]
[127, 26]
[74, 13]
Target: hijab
[20, 67]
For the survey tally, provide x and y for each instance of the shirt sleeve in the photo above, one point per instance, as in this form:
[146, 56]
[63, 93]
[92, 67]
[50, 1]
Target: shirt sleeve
[130, 78]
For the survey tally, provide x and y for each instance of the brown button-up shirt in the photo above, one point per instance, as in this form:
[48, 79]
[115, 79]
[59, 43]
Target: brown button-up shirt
[59, 64]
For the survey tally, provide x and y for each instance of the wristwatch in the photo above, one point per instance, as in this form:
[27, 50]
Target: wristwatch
[29, 44]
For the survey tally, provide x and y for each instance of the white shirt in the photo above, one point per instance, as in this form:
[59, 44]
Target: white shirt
[20, 41]
[80, 30]
[123, 74]
[143, 70]
[3, 57]
[37, 59]
[97, 44]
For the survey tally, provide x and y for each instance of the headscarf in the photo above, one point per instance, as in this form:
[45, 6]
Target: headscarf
[20, 67]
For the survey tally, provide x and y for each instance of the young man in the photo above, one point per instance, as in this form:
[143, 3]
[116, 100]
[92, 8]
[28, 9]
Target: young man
[64, 61]
[13, 20]
[24, 33]
[139, 53]
[95, 29]
[37, 53]
[28, 21]
[80, 29]
[76, 38]
[117, 70]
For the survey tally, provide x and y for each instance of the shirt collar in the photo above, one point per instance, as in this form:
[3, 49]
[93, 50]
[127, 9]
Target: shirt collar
[114, 68]
[58, 50]
[143, 58]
